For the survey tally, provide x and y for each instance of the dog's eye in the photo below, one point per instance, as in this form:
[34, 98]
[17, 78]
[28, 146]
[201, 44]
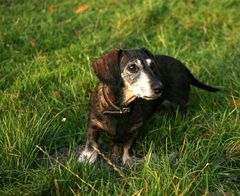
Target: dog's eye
[133, 68]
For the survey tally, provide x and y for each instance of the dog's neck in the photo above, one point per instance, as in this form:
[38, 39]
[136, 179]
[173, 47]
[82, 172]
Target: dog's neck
[117, 98]
[128, 96]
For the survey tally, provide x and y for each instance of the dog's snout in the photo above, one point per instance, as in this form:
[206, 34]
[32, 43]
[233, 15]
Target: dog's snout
[157, 87]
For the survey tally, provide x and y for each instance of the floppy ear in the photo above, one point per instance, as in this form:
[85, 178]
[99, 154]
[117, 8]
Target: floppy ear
[107, 68]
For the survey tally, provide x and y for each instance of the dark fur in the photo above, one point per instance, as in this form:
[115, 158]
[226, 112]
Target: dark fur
[124, 128]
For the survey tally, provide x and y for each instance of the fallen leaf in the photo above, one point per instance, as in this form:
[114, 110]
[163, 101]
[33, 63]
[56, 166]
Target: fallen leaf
[76, 32]
[57, 94]
[50, 9]
[81, 9]
[13, 96]
[235, 102]
[33, 43]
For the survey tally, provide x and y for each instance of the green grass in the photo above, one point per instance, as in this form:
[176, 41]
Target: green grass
[46, 75]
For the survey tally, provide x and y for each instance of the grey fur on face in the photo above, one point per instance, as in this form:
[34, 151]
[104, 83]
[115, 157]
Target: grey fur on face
[138, 76]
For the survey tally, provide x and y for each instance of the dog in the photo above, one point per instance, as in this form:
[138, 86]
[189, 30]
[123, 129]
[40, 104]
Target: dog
[133, 83]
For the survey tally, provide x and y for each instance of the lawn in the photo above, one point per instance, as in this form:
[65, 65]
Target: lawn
[46, 52]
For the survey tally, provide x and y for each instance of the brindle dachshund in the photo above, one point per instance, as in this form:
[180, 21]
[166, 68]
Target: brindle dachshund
[133, 83]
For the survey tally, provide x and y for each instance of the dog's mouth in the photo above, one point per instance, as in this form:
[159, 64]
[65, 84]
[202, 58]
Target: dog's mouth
[151, 97]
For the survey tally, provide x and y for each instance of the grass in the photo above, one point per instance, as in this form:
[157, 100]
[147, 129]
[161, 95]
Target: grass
[46, 51]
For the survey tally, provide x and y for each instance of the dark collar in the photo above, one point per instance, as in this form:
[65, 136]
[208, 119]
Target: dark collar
[117, 109]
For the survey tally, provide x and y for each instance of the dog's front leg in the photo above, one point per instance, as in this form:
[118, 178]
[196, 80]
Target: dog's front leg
[90, 151]
[127, 147]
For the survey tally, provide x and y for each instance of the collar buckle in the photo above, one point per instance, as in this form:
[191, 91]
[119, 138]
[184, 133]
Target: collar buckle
[118, 110]
[124, 110]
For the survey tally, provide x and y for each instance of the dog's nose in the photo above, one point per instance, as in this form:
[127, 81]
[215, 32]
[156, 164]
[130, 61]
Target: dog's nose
[157, 87]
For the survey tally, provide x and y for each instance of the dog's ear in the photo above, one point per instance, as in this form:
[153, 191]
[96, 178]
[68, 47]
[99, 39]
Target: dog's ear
[107, 68]
[147, 52]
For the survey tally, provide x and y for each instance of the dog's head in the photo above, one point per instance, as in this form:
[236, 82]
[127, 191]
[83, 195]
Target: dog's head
[134, 69]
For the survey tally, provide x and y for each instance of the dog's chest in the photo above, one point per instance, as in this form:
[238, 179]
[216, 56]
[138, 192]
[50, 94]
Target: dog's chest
[122, 126]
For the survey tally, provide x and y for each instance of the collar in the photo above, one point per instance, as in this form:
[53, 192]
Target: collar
[117, 109]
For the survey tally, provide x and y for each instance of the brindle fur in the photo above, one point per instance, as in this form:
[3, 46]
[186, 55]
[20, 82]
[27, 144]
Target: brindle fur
[124, 128]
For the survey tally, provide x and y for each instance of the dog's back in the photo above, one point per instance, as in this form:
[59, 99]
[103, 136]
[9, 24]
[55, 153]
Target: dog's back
[177, 81]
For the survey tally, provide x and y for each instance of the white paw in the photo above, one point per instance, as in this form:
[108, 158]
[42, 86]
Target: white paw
[87, 155]
[126, 158]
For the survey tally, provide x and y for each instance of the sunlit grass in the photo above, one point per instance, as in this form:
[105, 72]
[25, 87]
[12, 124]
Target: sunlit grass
[46, 52]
